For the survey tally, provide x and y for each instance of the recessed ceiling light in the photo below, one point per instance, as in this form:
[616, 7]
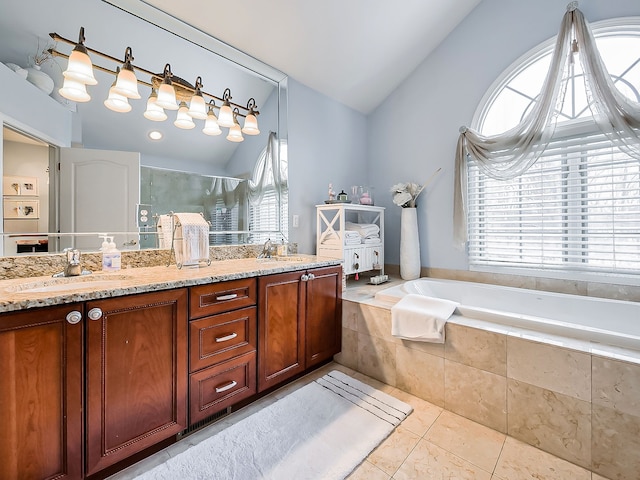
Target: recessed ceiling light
[155, 135]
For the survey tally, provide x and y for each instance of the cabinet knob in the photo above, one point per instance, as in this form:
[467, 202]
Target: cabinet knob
[304, 277]
[312, 276]
[74, 317]
[95, 314]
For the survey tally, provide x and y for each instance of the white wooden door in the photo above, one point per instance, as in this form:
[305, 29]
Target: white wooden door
[99, 192]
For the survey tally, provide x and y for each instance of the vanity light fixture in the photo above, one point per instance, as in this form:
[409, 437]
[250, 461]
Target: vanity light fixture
[235, 134]
[250, 121]
[211, 126]
[168, 92]
[225, 116]
[116, 101]
[127, 83]
[80, 67]
[183, 120]
[154, 112]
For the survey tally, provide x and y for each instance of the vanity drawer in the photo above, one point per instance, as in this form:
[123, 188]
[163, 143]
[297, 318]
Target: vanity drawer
[220, 337]
[221, 297]
[218, 387]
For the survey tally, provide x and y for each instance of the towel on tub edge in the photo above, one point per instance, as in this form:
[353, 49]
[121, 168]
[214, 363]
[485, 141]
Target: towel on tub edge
[420, 318]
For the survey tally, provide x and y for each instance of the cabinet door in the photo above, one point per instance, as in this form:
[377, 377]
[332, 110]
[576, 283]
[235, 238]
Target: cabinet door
[136, 374]
[280, 328]
[41, 394]
[323, 319]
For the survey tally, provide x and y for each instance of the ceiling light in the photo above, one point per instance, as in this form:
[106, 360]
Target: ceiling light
[155, 135]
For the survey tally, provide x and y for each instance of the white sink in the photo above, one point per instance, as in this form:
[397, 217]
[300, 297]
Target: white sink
[65, 284]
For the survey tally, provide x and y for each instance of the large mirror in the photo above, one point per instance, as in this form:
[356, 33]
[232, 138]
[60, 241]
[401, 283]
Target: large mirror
[52, 199]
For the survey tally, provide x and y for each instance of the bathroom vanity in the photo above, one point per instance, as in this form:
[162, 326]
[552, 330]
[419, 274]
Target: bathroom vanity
[109, 370]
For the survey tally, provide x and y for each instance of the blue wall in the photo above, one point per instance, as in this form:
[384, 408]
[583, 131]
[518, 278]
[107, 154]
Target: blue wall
[415, 130]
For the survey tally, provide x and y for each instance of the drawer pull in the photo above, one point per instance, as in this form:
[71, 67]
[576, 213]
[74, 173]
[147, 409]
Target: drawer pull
[222, 298]
[228, 386]
[226, 338]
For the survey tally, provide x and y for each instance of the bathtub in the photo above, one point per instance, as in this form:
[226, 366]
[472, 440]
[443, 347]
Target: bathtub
[598, 320]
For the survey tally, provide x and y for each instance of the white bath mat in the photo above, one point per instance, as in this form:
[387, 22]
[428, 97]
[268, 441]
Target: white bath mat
[320, 431]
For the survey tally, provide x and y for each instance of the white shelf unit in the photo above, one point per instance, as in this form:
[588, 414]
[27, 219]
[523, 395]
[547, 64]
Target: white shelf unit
[330, 223]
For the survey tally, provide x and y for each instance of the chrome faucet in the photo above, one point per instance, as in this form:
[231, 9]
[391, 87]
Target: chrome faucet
[73, 267]
[267, 249]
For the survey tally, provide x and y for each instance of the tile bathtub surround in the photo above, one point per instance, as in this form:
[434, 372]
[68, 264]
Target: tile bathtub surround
[580, 407]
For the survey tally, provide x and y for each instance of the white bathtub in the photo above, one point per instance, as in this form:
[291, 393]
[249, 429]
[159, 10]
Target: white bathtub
[605, 321]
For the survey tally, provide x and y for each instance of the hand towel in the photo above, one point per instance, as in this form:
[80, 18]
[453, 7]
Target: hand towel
[165, 231]
[192, 238]
[350, 238]
[420, 318]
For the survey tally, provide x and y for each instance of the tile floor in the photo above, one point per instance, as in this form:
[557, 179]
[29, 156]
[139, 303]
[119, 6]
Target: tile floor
[430, 444]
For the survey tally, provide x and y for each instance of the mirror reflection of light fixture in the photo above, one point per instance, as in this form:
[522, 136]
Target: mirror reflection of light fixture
[183, 120]
[197, 106]
[250, 121]
[127, 83]
[225, 116]
[154, 111]
[155, 135]
[74, 90]
[80, 67]
[168, 92]
[116, 101]
[211, 126]
[235, 134]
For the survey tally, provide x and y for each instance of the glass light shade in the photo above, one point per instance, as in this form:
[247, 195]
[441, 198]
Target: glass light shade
[250, 125]
[117, 102]
[235, 135]
[80, 68]
[74, 90]
[225, 117]
[154, 111]
[127, 84]
[183, 120]
[211, 126]
[197, 108]
[167, 97]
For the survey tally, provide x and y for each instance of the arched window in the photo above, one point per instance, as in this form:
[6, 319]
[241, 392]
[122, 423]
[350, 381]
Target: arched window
[578, 207]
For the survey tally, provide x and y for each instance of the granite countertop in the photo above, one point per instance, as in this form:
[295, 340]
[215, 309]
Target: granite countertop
[24, 293]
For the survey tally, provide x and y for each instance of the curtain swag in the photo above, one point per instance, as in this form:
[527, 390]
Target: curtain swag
[509, 154]
[267, 173]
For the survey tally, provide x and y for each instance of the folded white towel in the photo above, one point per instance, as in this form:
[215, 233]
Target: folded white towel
[371, 240]
[364, 229]
[420, 318]
[351, 234]
[350, 238]
[192, 238]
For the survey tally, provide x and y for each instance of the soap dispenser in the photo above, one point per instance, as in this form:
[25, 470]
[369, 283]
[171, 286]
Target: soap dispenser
[111, 257]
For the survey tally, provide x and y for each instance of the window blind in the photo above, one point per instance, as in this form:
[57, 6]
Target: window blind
[577, 208]
[269, 217]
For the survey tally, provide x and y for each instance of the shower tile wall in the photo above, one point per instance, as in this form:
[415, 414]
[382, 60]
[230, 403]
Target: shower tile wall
[580, 407]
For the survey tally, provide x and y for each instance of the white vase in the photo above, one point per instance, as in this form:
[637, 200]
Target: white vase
[409, 244]
[40, 79]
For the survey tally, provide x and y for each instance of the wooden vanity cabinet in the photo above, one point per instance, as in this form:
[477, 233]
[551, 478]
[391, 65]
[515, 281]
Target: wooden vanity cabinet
[41, 382]
[299, 322]
[136, 357]
[222, 346]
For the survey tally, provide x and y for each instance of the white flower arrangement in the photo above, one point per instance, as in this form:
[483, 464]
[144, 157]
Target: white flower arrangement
[405, 194]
